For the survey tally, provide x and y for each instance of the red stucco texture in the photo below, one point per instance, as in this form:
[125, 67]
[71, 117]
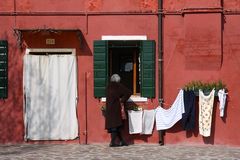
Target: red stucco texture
[196, 46]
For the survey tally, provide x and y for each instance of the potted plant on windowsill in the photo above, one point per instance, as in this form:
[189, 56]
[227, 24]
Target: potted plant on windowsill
[103, 109]
[205, 87]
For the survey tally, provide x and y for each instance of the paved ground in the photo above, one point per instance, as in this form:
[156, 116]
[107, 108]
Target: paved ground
[132, 152]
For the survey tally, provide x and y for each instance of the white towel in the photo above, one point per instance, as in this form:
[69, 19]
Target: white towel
[166, 118]
[148, 121]
[222, 99]
[135, 121]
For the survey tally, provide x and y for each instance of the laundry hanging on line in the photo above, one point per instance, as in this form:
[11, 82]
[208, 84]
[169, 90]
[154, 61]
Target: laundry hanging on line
[148, 121]
[205, 112]
[222, 96]
[135, 121]
[141, 122]
[188, 118]
[183, 108]
[166, 118]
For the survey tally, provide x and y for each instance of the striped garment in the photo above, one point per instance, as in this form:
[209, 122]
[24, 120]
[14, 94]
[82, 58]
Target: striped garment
[166, 118]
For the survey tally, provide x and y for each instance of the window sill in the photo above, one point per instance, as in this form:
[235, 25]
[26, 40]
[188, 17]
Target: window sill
[131, 99]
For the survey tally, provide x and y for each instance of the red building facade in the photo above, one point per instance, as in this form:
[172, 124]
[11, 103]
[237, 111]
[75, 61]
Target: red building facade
[196, 41]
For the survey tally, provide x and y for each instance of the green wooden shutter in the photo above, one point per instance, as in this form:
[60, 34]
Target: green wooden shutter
[3, 69]
[100, 68]
[147, 68]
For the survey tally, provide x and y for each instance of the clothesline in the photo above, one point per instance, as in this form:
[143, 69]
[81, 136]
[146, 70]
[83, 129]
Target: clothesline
[183, 108]
[169, 105]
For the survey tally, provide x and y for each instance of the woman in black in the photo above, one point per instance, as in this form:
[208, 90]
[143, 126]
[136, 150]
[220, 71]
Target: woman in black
[116, 96]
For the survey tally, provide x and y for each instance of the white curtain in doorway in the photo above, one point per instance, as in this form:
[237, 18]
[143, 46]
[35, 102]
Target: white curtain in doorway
[50, 88]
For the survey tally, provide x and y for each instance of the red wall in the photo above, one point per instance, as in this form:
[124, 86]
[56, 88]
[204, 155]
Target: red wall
[92, 27]
[203, 47]
[196, 47]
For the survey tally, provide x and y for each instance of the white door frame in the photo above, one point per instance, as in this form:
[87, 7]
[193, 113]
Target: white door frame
[60, 50]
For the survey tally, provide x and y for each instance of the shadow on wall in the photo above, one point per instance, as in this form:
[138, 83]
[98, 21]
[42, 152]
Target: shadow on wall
[54, 38]
[84, 47]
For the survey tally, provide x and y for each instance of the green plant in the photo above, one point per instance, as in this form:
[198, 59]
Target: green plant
[207, 86]
[103, 108]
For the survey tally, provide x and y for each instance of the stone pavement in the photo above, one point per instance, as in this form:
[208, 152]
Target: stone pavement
[132, 152]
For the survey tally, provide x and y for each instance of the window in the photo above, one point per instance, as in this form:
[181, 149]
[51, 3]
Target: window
[124, 60]
[134, 61]
[3, 69]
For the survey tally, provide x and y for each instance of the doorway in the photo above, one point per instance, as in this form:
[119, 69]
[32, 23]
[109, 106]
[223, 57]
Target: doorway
[50, 92]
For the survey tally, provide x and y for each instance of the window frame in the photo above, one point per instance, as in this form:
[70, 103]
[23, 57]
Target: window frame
[134, 98]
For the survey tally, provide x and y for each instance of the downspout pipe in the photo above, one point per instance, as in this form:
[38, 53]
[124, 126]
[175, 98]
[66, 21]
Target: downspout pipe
[14, 12]
[160, 63]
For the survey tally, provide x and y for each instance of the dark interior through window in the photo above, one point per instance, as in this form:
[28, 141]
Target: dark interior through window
[124, 60]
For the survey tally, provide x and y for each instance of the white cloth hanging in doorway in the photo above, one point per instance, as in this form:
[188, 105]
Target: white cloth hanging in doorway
[166, 118]
[50, 88]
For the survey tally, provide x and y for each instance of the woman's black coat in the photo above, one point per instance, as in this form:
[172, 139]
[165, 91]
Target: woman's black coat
[116, 93]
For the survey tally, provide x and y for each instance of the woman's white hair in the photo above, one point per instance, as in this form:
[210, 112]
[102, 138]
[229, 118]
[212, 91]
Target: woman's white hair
[115, 78]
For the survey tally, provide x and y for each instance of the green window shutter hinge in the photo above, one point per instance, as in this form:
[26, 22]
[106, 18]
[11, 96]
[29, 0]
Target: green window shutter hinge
[3, 69]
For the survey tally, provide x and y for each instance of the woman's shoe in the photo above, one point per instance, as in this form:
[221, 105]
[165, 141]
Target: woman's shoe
[122, 143]
[161, 143]
[114, 145]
